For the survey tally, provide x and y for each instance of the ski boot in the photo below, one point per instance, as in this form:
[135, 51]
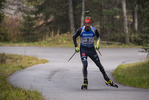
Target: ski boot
[85, 84]
[111, 84]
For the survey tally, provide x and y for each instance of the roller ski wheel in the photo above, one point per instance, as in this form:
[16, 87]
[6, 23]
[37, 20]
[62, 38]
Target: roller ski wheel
[110, 83]
[84, 86]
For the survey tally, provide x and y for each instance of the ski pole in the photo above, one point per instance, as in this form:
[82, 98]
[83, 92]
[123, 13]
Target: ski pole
[99, 52]
[71, 56]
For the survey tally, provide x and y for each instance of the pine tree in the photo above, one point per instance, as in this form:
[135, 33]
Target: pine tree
[54, 16]
[4, 36]
[2, 2]
[144, 5]
[28, 27]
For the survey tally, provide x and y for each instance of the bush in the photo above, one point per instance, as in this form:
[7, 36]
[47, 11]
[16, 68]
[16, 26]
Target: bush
[4, 35]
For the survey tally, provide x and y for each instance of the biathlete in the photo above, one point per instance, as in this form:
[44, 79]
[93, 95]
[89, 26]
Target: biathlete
[87, 49]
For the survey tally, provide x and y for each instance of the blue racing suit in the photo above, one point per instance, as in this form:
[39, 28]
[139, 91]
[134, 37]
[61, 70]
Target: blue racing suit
[87, 49]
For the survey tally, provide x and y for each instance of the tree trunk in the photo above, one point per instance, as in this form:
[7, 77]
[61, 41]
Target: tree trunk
[101, 19]
[136, 18]
[71, 17]
[83, 12]
[125, 21]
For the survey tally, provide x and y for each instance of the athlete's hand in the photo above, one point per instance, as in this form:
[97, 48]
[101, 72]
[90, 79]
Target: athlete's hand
[77, 49]
[97, 44]
[97, 47]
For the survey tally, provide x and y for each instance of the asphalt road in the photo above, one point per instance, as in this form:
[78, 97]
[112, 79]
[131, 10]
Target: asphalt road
[62, 80]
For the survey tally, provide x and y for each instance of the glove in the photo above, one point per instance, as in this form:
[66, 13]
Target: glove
[97, 45]
[77, 49]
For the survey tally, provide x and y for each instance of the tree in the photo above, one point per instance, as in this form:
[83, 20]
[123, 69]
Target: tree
[83, 12]
[110, 17]
[133, 9]
[125, 21]
[52, 16]
[144, 21]
[28, 27]
[1, 10]
[15, 7]
[71, 18]
[4, 35]
[136, 18]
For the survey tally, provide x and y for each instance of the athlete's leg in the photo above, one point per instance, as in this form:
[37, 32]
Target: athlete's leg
[96, 59]
[85, 64]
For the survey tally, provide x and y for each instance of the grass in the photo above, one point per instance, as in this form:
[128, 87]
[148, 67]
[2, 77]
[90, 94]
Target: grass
[134, 75]
[10, 64]
[64, 40]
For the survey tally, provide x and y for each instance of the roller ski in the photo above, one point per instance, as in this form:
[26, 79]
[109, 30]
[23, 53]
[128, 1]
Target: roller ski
[110, 83]
[85, 84]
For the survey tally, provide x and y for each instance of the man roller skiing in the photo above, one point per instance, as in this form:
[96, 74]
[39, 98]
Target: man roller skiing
[87, 49]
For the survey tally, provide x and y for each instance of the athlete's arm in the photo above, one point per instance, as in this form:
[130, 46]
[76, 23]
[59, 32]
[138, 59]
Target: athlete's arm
[78, 32]
[98, 36]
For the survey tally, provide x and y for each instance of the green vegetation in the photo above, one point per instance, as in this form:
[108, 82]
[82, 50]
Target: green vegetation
[8, 65]
[135, 75]
[64, 40]
[146, 50]
[43, 18]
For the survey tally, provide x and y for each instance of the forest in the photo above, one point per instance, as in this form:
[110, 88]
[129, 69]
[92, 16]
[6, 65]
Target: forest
[124, 21]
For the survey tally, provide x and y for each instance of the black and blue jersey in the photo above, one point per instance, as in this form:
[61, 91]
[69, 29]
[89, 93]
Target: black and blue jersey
[87, 37]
